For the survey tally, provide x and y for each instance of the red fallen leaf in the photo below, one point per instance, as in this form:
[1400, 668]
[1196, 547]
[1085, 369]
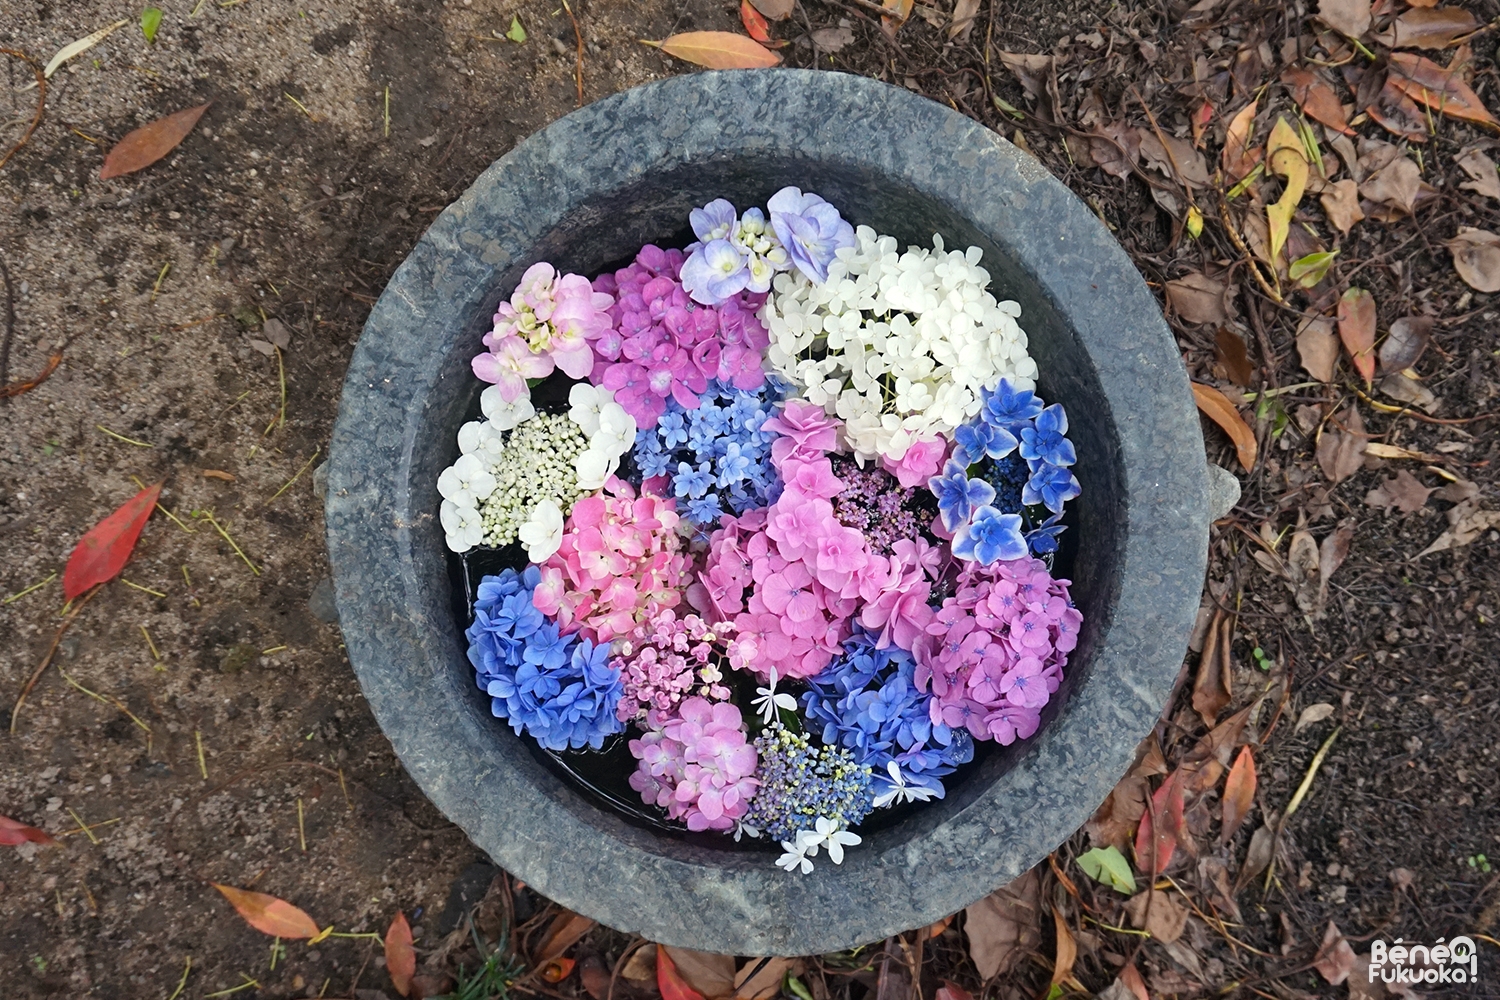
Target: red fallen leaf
[1438, 88]
[1201, 118]
[1357, 329]
[1239, 794]
[150, 142]
[103, 551]
[12, 833]
[952, 991]
[1167, 804]
[268, 914]
[1316, 97]
[1131, 977]
[400, 954]
[669, 982]
[557, 970]
[755, 23]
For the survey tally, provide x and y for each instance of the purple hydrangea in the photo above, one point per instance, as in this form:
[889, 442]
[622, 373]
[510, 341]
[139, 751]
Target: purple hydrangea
[811, 230]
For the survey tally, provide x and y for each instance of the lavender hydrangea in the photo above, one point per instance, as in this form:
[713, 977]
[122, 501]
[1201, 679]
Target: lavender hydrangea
[811, 230]
[867, 702]
[734, 254]
[875, 503]
[800, 782]
[559, 689]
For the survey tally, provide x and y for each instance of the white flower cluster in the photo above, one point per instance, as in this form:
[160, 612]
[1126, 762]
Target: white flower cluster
[520, 471]
[800, 852]
[898, 345]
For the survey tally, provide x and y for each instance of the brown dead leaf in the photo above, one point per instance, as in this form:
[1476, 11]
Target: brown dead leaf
[1428, 29]
[149, 143]
[1115, 148]
[1408, 338]
[1312, 715]
[641, 967]
[218, 474]
[833, 39]
[1130, 976]
[1239, 794]
[776, 10]
[564, 931]
[1197, 298]
[1005, 926]
[1032, 70]
[1067, 949]
[1466, 523]
[1239, 158]
[1458, 492]
[963, 18]
[1157, 913]
[277, 333]
[1484, 178]
[1262, 847]
[1114, 822]
[1408, 390]
[1318, 347]
[1331, 555]
[1397, 113]
[1396, 184]
[1191, 169]
[1230, 350]
[709, 974]
[1217, 407]
[1357, 330]
[1302, 570]
[1316, 97]
[765, 983]
[268, 914]
[1476, 258]
[400, 954]
[1341, 450]
[1348, 17]
[1442, 90]
[1213, 688]
[1335, 958]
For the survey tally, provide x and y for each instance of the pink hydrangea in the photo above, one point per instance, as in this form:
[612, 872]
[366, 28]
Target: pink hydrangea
[994, 654]
[666, 659]
[619, 563]
[698, 765]
[548, 322]
[663, 344]
[921, 462]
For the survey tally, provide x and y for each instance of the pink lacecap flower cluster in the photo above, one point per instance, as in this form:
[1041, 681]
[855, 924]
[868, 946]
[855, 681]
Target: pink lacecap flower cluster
[619, 563]
[791, 576]
[995, 652]
[668, 658]
[548, 322]
[698, 765]
[661, 343]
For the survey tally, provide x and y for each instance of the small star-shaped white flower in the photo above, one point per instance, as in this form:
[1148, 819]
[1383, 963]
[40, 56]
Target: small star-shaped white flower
[900, 791]
[794, 858]
[767, 701]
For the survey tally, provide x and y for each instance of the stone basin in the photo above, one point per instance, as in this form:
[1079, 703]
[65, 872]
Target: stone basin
[585, 193]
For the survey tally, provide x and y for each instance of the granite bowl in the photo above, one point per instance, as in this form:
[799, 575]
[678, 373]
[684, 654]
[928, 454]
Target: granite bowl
[584, 193]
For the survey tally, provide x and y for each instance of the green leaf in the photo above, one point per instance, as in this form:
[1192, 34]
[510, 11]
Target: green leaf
[1010, 109]
[516, 33]
[150, 21]
[1308, 271]
[1194, 222]
[1109, 866]
[798, 989]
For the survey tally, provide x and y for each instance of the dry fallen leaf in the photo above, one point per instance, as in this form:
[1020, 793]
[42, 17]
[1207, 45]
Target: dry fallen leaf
[564, 931]
[1316, 97]
[149, 143]
[1197, 298]
[776, 10]
[1400, 387]
[105, 548]
[1341, 201]
[1302, 570]
[1349, 17]
[711, 975]
[1397, 113]
[1115, 148]
[963, 17]
[669, 984]
[1213, 688]
[1190, 168]
[1161, 827]
[1396, 184]
[1341, 451]
[1262, 846]
[718, 50]
[1408, 338]
[1284, 156]
[1229, 348]
[13, 833]
[1440, 89]
[1404, 492]
[268, 914]
[1239, 158]
[1239, 794]
[1067, 949]
[1476, 258]
[400, 954]
[1217, 407]
[1428, 29]
[1335, 958]
[1485, 179]
[1312, 715]
[766, 980]
[1318, 347]
[1466, 523]
[1357, 330]
[1165, 919]
[1005, 926]
[1382, 450]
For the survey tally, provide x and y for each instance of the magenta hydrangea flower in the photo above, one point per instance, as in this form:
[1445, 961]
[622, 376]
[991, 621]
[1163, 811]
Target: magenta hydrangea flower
[698, 765]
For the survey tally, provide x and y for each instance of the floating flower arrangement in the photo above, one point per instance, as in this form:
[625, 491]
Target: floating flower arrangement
[791, 538]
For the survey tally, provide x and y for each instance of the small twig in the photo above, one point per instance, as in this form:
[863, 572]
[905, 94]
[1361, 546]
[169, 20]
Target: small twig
[232, 544]
[289, 482]
[105, 700]
[121, 437]
[301, 829]
[202, 763]
[136, 586]
[10, 329]
[181, 983]
[281, 377]
[36, 675]
[86, 827]
[35, 586]
[578, 73]
[36, 119]
[83, 826]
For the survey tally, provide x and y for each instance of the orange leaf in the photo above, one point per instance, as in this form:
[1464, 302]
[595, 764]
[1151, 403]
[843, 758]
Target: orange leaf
[754, 22]
[1131, 977]
[1315, 96]
[1357, 329]
[1239, 793]
[150, 143]
[1239, 159]
[565, 930]
[669, 982]
[103, 551]
[557, 970]
[718, 50]
[400, 955]
[12, 832]
[1162, 833]
[268, 914]
[1438, 88]
[1217, 407]
[1067, 949]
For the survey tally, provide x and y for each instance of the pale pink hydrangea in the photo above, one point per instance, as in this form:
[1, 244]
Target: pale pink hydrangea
[549, 322]
[698, 765]
[668, 658]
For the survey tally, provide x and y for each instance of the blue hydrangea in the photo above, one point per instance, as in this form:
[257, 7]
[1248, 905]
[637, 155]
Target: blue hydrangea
[717, 456]
[866, 701]
[990, 536]
[559, 689]
[800, 782]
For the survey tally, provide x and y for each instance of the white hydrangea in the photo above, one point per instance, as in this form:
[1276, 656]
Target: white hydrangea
[610, 431]
[897, 345]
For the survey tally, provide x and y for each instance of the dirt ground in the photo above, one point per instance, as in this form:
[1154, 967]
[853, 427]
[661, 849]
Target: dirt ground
[226, 739]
